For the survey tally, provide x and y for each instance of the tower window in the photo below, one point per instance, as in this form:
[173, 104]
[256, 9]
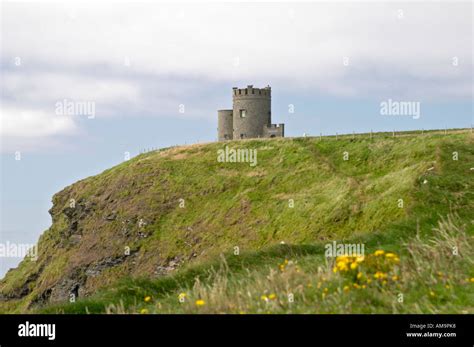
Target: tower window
[243, 113]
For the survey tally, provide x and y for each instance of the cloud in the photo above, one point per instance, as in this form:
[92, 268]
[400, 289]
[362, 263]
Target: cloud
[303, 43]
[30, 129]
[32, 123]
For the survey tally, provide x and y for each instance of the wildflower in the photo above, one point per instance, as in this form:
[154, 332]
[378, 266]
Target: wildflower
[272, 296]
[346, 288]
[342, 265]
[318, 285]
[200, 302]
[353, 266]
[471, 280]
[359, 259]
[379, 252]
[432, 293]
[334, 269]
[395, 278]
[356, 286]
[147, 298]
[325, 290]
[447, 286]
[359, 275]
[380, 275]
[264, 298]
[390, 255]
[182, 297]
[364, 286]
[143, 311]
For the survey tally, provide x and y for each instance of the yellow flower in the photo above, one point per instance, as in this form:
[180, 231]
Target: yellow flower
[334, 269]
[346, 288]
[147, 298]
[432, 293]
[471, 280]
[380, 275]
[359, 275]
[395, 278]
[325, 290]
[390, 255]
[447, 286]
[354, 266]
[182, 297]
[143, 311]
[364, 286]
[264, 298]
[379, 252]
[359, 259]
[356, 286]
[200, 302]
[272, 296]
[342, 266]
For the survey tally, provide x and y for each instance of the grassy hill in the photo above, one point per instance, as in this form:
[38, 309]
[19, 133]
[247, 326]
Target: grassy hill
[177, 231]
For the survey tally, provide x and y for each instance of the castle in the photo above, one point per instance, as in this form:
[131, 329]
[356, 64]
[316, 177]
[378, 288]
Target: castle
[251, 116]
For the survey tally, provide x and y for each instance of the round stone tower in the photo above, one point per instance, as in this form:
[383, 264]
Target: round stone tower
[251, 111]
[224, 125]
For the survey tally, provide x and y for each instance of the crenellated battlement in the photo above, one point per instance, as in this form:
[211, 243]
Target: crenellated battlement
[250, 91]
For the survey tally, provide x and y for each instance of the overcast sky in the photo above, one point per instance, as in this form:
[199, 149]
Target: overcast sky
[334, 62]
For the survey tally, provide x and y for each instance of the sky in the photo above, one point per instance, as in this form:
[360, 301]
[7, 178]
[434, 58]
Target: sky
[156, 73]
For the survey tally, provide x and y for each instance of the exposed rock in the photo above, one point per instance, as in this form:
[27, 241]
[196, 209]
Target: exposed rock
[166, 269]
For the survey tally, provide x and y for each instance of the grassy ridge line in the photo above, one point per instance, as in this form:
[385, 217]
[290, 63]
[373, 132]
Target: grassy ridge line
[449, 293]
[381, 171]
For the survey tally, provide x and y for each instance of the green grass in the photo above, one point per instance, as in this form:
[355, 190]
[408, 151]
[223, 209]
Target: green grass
[230, 205]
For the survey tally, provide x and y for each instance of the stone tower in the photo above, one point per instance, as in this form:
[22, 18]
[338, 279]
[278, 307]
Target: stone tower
[250, 117]
[225, 125]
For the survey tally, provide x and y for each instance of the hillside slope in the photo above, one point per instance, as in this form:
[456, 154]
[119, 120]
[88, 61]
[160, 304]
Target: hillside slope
[166, 210]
